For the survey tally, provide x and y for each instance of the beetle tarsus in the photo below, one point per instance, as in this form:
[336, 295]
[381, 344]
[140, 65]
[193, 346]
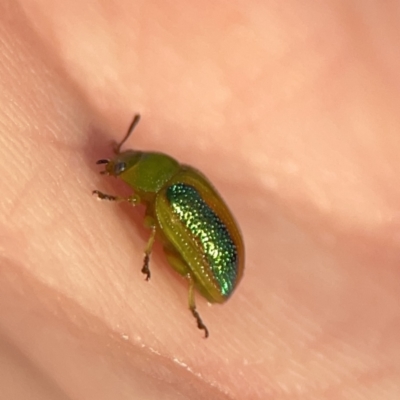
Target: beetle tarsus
[103, 196]
[147, 252]
[200, 323]
[145, 268]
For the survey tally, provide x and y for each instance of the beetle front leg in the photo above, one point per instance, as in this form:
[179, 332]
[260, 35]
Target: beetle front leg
[134, 199]
[192, 308]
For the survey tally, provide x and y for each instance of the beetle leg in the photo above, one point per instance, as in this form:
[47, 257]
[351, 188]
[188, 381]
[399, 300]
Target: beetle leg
[180, 266]
[192, 307]
[176, 262]
[147, 252]
[134, 199]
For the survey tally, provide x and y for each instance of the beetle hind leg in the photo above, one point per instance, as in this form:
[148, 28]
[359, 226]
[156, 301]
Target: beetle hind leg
[179, 265]
[192, 308]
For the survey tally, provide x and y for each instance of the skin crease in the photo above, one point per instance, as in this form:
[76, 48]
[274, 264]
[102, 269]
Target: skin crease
[291, 110]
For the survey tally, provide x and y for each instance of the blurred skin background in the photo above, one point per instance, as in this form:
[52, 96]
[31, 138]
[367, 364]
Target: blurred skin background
[291, 109]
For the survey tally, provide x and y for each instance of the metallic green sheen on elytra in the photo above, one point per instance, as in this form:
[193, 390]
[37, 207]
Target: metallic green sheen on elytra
[199, 234]
[213, 236]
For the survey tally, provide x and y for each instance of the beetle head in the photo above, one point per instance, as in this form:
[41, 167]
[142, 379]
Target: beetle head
[120, 163]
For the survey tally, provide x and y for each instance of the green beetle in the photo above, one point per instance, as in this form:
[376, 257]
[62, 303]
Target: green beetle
[200, 237]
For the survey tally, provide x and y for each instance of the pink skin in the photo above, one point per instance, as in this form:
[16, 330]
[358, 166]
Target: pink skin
[291, 108]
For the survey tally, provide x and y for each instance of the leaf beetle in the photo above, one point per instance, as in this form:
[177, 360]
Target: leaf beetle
[199, 234]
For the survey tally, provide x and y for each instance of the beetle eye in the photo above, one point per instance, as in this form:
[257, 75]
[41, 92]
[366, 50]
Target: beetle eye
[119, 168]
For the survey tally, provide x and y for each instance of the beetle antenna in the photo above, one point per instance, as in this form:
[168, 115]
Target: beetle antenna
[132, 126]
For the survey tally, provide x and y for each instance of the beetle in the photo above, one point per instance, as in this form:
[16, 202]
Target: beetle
[200, 237]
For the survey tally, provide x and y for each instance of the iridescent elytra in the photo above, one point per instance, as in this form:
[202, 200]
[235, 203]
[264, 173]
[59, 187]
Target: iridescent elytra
[199, 234]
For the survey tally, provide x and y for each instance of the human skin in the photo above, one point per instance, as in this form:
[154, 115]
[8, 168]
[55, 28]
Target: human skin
[291, 109]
